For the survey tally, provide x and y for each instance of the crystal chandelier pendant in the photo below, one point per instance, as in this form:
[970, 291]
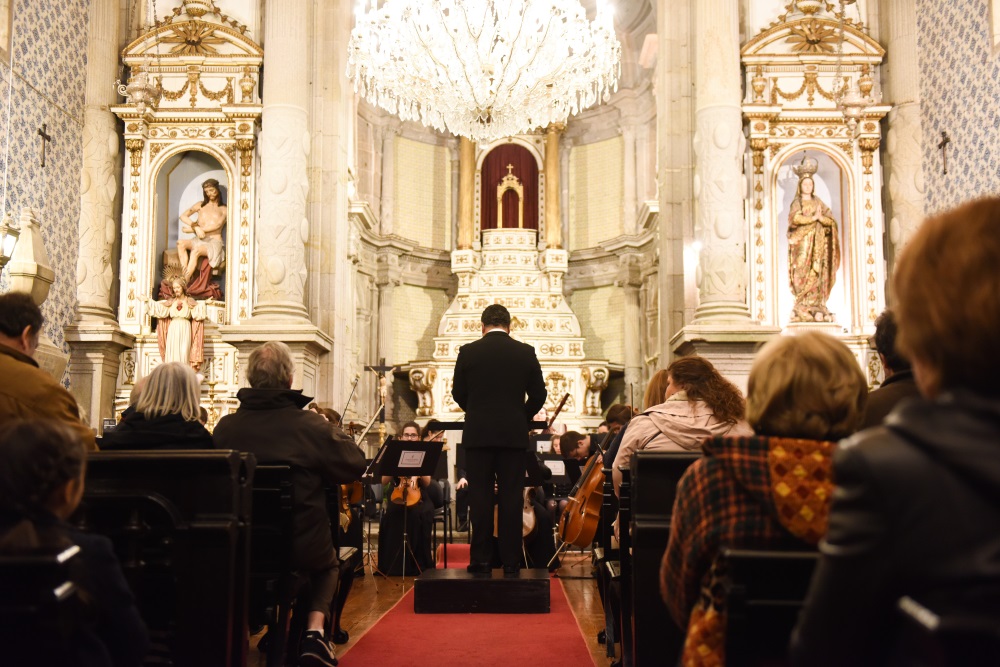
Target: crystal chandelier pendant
[484, 69]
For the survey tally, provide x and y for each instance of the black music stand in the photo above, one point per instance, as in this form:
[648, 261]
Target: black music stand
[405, 458]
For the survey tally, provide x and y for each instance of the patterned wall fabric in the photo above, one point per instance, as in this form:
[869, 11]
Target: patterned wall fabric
[49, 50]
[960, 94]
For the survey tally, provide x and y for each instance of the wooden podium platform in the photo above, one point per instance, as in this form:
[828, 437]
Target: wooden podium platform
[455, 591]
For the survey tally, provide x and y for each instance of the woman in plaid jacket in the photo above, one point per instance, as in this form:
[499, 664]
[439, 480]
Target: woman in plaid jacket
[770, 490]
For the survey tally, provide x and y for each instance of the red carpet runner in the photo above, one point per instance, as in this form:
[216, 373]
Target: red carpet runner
[402, 637]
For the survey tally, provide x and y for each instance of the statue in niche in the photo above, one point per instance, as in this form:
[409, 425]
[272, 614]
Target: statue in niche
[200, 256]
[180, 331]
[813, 249]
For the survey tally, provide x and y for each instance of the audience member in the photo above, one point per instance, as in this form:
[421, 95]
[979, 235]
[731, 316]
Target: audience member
[28, 392]
[271, 424]
[698, 403]
[41, 484]
[618, 417]
[328, 414]
[916, 510]
[418, 520]
[770, 490]
[133, 396]
[166, 416]
[656, 389]
[897, 382]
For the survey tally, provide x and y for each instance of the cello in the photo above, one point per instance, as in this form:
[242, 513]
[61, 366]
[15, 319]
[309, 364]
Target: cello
[582, 514]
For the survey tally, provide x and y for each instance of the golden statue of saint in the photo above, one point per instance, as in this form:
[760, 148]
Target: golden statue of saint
[813, 253]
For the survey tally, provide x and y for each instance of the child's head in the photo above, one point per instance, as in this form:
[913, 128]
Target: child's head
[41, 469]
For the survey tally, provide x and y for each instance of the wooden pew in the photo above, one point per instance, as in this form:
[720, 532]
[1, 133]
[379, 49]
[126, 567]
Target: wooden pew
[178, 519]
[654, 477]
[621, 571]
[39, 614]
[764, 592]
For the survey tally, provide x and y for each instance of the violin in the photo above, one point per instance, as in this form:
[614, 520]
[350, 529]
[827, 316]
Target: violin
[407, 492]
[579, 520]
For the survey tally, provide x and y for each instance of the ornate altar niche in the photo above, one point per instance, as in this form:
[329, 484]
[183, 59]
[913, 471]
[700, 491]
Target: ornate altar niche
[193, 108]
[510, 265]
[791, 115]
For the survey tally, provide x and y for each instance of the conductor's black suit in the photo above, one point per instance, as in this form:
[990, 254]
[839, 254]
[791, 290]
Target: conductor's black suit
[492, 377]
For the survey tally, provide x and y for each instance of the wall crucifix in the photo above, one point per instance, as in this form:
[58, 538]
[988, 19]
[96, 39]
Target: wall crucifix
[46, 138]
[943, 147]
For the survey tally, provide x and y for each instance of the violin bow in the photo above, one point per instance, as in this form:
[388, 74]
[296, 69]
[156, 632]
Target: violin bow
[562, 403]
[357, 378]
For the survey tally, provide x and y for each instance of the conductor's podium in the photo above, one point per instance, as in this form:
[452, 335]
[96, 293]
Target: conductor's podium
[455, 591]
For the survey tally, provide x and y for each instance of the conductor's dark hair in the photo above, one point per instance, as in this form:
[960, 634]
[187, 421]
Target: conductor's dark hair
[885, 342]
[17, 311]
[496, 316]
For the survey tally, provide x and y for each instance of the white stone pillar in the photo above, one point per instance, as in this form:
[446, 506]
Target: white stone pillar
[630, 280]
[718, 146]
[388, 278]
[282, 226]
[553, 215]
[95, 339]
[388, 208]
[901, 87]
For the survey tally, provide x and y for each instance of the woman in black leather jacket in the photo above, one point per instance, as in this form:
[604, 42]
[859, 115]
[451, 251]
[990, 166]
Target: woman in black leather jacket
[916, 511]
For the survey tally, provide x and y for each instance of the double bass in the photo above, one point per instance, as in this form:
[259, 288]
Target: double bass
[582, 514]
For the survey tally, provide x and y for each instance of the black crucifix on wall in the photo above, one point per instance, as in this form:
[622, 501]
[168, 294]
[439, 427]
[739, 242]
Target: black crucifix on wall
[46, 138]
[943, 147]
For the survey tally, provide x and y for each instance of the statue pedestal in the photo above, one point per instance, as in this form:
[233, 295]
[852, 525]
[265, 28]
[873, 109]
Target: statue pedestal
[95, 356]
[730, 349]
[308, 344]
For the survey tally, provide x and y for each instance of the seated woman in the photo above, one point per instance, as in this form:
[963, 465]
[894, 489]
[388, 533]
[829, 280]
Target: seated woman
[166, 415]
[698, 403]
[916, 509]
[415, 519]
[768, 491]
[41, 484]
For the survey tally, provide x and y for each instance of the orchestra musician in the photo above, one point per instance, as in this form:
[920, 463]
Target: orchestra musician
[406, 503]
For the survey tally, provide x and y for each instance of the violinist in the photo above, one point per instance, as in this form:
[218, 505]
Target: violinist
[407, 508]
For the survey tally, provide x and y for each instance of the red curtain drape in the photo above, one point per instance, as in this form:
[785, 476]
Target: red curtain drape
[494, 169]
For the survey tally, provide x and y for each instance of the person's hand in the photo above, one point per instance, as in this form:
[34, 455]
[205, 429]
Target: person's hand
[199, 232]
[462, 483]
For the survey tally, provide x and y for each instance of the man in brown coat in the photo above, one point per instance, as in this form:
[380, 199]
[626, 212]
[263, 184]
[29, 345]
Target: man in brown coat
[28, 392]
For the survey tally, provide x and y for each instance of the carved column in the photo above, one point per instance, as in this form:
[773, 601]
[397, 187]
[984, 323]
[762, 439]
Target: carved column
[553, 215]
[901, 80]
[466, 192]
[628, 158]
[96, 342]
[718, 146]
[630, 281]
[389, 277]
[282, 226]
[388, 207]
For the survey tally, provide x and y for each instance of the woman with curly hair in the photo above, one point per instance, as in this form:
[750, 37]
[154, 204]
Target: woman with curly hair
[697, 403]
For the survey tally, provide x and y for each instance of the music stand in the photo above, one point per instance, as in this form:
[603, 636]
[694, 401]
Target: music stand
[405, 458]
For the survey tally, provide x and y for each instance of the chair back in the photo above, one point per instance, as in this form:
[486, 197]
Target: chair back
[271, 522]
[960, 627]
[39, 608]
[764, 592]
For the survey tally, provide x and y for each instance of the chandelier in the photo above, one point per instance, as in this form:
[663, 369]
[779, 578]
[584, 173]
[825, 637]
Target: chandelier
[484, 69]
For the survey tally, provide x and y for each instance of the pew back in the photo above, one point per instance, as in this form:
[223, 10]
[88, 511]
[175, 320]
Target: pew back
[178, 522]
[764, 592]
[654, 486]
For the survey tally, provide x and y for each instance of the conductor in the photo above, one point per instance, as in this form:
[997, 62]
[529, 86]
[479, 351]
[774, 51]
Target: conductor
[492, 377]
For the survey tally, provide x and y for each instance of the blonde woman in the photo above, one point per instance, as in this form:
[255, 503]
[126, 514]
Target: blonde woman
[166, 415]
[770, 490]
